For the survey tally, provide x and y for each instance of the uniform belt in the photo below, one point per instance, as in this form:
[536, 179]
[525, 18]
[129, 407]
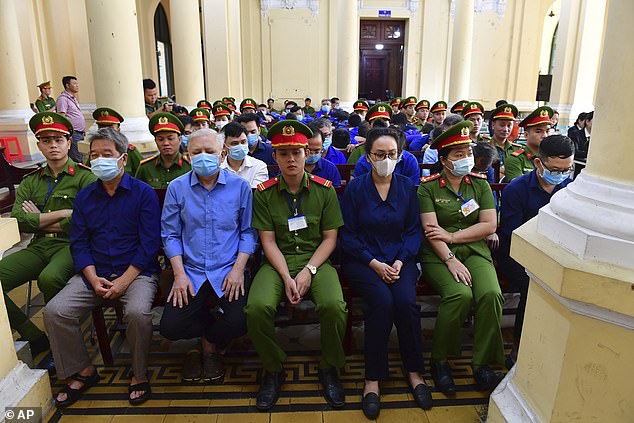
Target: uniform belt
[52, 235]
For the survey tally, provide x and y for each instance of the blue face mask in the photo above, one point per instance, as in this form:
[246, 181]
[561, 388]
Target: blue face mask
[462, 167]
[205, 164]
[325, 108]
[327, 143]
[554, 178]
[313, 158]
[184, 140]
[238, 152]
[252, 139]
[105, 168]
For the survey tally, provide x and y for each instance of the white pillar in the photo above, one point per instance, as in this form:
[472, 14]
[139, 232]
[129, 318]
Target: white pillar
[14, 100]
[461, 51]
[348, 51]
[116, 64]
[187, 52]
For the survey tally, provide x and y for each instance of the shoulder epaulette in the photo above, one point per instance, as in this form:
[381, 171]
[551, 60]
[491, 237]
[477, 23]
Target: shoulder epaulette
[514, 144]
[430, 178]
[83, 166]
[131, 147]
[486, 137]
[33, 172]
[148, 159]
[517, 152]
[477, 175]
[268, 184]
[187, 158]
[321, 181]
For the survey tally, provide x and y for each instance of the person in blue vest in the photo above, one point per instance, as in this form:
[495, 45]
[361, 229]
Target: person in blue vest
[329, 153]
[522, 199]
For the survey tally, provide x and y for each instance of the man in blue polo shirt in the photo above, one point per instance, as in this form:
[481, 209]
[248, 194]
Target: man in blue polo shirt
[328, 152]
[521, 201]
[258, 147]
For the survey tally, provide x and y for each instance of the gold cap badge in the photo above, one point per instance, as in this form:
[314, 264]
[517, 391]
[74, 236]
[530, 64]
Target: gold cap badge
[288, 131]
[162, 120]
[47, 120]
[464, 132]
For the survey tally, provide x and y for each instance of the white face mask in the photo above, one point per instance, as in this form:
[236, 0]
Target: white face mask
[221, 124]
[385, 167]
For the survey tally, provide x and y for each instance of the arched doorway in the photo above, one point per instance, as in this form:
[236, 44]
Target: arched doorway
[163, 52]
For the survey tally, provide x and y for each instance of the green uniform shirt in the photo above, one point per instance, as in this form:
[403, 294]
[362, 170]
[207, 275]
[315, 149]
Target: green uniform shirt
[509, 147]
[308, 110]
[152, 171]
[483, 138]
[317, 202]
[355, 154]
[134, 160]
[435, 194]
[45, 104]
[49, 194]
[518, 163]
[151, 108]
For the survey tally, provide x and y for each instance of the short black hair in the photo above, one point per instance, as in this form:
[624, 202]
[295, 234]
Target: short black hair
[500, 102]
[261, 105]
[149, 84]
[307, 99]
[289, 102]
[487, 152]
[248, 117]
[332, 100]
[380, 123]
[317, 133]
[340, 138]
[589, 116]
[364, 127]
[354, 120]
[376, 133]
[291, 116]
[556, 146]
[399, 119]
[269, 99]
[186, 120]
[581, 117]
[295, 108]
[233, 129]
[66, 80]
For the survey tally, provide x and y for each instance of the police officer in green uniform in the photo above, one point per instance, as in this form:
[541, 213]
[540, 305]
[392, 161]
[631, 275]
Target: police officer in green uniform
[458, 107]
[458, 213]
[422, 112]
[222, 116]
[204, 104]
[502, 125]
[159, 170]
[438, 113]
[536, 125]
[474, 112]
[408, 107]
[308, 110]
[248, 105]
[202, 117]
[106, 117]
[45, 102]
[379, 115]
[297, 216]
[43, 206]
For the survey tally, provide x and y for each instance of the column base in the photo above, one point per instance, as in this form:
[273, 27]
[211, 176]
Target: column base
[14, 123]
[574, 361]
[25, 387]
[137, 132]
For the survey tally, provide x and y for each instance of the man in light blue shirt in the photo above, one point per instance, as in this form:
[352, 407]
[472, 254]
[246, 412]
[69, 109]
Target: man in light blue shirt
[207, 236]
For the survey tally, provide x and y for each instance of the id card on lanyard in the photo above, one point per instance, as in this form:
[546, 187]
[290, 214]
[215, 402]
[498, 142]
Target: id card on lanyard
[468, 206]
[296, 221]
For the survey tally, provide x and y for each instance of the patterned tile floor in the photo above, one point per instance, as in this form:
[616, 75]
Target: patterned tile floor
[232, 401]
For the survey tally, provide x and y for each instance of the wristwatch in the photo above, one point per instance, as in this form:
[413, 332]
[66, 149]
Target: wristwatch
[311, 268]
[449, 257]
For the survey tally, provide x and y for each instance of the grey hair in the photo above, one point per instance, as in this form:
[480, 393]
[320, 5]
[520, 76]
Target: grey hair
[451, 120]
[207, 132]
[120, 141]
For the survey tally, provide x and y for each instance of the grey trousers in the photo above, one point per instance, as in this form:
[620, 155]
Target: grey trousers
[65, 312]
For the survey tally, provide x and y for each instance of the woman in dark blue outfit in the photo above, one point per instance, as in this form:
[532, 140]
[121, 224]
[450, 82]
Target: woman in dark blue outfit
[380, 240]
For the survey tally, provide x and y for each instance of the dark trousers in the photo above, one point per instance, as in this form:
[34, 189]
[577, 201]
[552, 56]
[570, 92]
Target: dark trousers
[388, 304]
[74, 149]
[518, 277]
[195, 319]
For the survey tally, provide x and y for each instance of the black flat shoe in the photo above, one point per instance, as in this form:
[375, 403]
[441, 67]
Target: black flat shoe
[269, 390]
[333, 391]
[486, 378]
[371, 405]
[441, 373]
[422, 395]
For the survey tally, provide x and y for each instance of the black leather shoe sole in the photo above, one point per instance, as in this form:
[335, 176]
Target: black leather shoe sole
[371, 405]
[262, 405]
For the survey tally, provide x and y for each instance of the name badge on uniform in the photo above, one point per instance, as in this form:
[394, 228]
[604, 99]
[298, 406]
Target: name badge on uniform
[469, 207]
[295, 223]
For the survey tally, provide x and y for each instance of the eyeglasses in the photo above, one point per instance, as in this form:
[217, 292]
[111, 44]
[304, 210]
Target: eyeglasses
[52, 140]
[566, 172]
[379, 156]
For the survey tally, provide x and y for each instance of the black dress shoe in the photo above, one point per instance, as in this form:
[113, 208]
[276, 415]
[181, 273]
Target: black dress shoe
[371, 405]
[441, 372]
[333, 391]
[487, 379]
[269, 390]
[422, 395]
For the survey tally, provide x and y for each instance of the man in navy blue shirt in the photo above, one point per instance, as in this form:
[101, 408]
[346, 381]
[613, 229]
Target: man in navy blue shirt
[328, 151]
[521, 201]
[258, 147]
[115, 239]
[317, 165]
